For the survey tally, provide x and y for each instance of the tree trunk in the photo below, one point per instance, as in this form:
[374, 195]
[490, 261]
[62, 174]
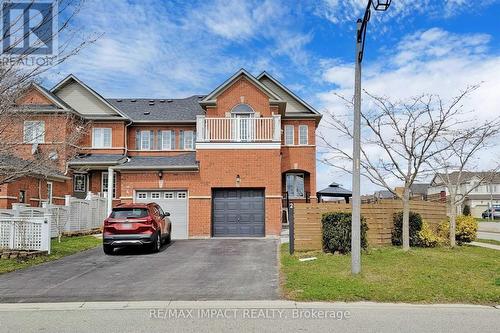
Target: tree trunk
[453, 219]
[406, 220]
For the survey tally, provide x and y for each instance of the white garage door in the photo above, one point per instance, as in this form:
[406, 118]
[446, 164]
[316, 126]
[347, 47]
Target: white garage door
[174, 202]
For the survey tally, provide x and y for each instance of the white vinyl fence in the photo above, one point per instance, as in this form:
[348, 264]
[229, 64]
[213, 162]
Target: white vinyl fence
[21, 233]
[77, 215]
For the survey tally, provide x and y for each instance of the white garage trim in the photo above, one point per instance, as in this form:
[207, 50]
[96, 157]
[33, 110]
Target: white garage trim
[174, 201]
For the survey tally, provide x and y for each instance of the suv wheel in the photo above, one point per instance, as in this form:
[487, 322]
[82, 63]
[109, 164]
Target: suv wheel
[156, 246]
[168, 238]
[107, 249]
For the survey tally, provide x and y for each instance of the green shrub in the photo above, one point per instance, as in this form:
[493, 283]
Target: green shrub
[427, 236]
[336, 228]
[465, 229]
[466, 210]
[415, 227]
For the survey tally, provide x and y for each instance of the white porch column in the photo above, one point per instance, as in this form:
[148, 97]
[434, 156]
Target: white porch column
[200, 128]
[277, 128]
[111, 178]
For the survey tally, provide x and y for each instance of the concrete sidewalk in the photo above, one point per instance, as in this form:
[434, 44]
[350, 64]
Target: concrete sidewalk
[246, 316]
[486, 245]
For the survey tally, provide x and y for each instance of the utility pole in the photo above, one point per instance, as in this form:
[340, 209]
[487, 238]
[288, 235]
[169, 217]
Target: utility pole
[378, 5]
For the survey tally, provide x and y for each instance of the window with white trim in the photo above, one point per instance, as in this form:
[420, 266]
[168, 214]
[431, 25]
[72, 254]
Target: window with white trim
[181, 195]
[188, 140]
[295, 185]
[166, 140]
[101, 138]
[34, 132]
[79, 182]
[303, 134]
[104, 183]
[168, 195]
[155, 195]
[289, 129]
[145, 140]
[142, 195]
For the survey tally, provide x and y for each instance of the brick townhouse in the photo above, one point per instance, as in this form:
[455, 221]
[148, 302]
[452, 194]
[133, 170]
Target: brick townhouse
[219, 163]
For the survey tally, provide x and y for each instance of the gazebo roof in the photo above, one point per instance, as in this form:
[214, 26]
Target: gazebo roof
[334, 190]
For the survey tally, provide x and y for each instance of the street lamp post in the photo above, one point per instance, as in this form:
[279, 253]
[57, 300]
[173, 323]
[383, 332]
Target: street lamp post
[379, 5]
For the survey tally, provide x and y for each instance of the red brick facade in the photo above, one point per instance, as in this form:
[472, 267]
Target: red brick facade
[252, 168]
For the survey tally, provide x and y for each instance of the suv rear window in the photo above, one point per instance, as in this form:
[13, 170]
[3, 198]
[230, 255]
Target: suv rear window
[122, 213]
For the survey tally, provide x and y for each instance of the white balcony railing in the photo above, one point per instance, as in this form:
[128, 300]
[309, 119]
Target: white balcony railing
[238, 129]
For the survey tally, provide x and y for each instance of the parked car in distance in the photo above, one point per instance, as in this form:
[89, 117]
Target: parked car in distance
[496, 213]
[136, 224]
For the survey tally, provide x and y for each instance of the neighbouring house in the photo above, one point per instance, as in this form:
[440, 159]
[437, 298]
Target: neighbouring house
[219, 163]
[484, 194]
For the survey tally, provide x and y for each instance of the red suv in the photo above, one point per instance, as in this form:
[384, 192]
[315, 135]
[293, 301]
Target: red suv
[136, 224]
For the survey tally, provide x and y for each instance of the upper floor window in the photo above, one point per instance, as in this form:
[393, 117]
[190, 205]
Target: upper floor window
[289, 129]
[187, 140]
[34, 132]
[303, 134]
[166, 140]
[101, 138]
[242, 109]
[145, 140]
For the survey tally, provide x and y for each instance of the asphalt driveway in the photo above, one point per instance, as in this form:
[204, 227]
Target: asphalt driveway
[212, 269]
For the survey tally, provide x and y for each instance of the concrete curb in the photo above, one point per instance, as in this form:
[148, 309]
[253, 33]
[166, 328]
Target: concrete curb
[279, 304]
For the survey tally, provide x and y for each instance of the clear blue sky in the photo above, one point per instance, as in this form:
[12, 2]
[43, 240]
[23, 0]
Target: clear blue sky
[179, 48]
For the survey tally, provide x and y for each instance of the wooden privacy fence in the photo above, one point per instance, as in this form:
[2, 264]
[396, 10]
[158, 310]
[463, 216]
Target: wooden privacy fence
[378, 216]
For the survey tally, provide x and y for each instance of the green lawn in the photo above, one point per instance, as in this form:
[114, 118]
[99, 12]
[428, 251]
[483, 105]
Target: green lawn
[466, 274]
[68, 245]
[489, 241]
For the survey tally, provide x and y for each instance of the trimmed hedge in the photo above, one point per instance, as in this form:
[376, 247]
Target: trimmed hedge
[415, 227]
[336, 228]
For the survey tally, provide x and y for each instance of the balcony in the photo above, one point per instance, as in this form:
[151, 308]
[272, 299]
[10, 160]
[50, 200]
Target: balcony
[238, 130]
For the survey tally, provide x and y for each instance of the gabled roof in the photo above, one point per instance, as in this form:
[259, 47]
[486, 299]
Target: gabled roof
[289, 92]
[210, 98]
[73, 78]
[58, 104]
[466, 177]
[156, 110]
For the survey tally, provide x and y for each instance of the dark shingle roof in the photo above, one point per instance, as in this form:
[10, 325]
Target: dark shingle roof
[181, 160]
[419, 188]
[13, 164]
[98, 158]
[335, 189]
[184, 109]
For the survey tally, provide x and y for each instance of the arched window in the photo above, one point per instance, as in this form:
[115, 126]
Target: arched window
[242, 109]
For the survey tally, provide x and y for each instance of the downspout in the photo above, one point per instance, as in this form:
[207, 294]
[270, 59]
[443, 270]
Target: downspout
[126, 137]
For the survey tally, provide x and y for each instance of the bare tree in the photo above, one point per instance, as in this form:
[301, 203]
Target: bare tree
[19, 69]
[453, 165]
[398, 140]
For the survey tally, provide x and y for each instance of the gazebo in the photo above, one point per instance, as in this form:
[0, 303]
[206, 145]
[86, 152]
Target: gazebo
[334, 190]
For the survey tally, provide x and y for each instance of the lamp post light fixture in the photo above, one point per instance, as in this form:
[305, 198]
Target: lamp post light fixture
[378, 5]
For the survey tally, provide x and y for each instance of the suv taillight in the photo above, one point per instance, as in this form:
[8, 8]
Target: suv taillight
[149, 219]
[106, 222]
